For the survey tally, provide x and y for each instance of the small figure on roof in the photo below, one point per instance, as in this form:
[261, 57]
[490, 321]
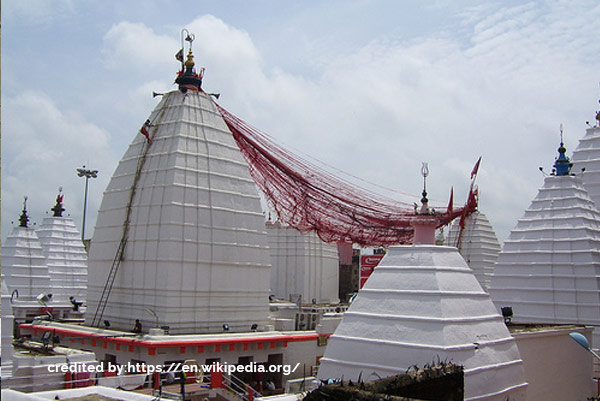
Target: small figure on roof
[138, 326]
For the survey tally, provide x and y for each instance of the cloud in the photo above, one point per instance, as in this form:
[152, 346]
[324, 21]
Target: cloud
[135, 47]
[495, 84]
[46, 145]
[379, 110]
[37, 11]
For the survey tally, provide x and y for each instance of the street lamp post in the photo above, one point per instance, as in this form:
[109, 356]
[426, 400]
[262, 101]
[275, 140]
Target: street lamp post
[581, 340]
[83, 172]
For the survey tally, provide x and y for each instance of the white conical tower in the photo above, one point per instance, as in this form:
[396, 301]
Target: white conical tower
[549, 267]
[65, 254]
[7, 331]
[23, 263]
[188, 213]
[423, 302]
[478, 244]
[587, 156]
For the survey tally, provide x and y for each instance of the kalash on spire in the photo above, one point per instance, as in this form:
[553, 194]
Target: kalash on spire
[187, 78]
[562, 165]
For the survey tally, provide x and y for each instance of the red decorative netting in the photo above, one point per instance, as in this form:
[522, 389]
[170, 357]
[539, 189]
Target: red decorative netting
[309, 198]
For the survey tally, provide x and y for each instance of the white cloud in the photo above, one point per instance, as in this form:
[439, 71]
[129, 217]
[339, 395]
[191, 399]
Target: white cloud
[382, 109]
[46, 145]
[135, 47]
[497, 86]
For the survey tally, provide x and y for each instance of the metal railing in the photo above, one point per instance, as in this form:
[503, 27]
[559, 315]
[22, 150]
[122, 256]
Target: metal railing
[238, 387]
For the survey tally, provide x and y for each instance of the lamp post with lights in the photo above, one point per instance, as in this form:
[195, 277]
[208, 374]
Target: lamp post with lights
[87, 173]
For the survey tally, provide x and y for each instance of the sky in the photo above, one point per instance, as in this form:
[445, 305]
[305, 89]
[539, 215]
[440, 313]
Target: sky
[371, 88]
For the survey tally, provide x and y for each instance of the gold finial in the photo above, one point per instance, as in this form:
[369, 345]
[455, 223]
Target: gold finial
[189, 63]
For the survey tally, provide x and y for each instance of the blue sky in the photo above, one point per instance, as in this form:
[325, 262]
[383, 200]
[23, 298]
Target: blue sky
[371, 87]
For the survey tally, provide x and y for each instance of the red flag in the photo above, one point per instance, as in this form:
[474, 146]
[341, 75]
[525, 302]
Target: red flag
[475, 168]
[144, 130]
[450, 201]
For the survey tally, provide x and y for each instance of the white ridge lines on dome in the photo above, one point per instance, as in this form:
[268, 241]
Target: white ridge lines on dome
[221, 191]
[424, 318]
[425, 292]
[497, 393]
[471, 371]
[181, 152]
[550, 275]
[424, 269]
[456, 347]
[550, 303]
[534, 252]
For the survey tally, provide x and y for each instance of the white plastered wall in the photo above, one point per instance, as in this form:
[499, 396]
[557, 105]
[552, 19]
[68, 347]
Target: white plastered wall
[302, 264]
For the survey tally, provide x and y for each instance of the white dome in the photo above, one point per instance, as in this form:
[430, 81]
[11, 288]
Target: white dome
[478, 245]
[549, 267]
[420, 303]
[24, 265]
[196, 253]
[66, 258]
[587, 155]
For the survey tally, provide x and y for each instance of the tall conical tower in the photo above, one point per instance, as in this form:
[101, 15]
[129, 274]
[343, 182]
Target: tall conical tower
[65, 255]
[23, 263]
[549, 267]
[478, 245]
[180, 234]
[421, 302]
[587, 156]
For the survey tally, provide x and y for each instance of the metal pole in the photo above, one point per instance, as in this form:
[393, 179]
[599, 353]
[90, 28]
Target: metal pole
[84, 208]
[83, 172]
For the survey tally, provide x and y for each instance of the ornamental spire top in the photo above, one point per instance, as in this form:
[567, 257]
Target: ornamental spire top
[24, 218]
[187, 78]
[424, 200]
[562, 165]
[58, 208]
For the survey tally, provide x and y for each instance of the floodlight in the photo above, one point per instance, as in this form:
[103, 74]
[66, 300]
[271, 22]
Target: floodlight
[44, 298]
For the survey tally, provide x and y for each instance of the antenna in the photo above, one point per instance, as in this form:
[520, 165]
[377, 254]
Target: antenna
[561, 134]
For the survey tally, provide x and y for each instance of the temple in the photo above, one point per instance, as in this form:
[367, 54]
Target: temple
[186, 270]
[423, 302]
[180, 230]
[549, 266]
[478, 245]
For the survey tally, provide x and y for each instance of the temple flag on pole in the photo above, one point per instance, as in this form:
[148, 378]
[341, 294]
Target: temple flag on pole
[475, 168]
[179, 55]
[144, 130]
